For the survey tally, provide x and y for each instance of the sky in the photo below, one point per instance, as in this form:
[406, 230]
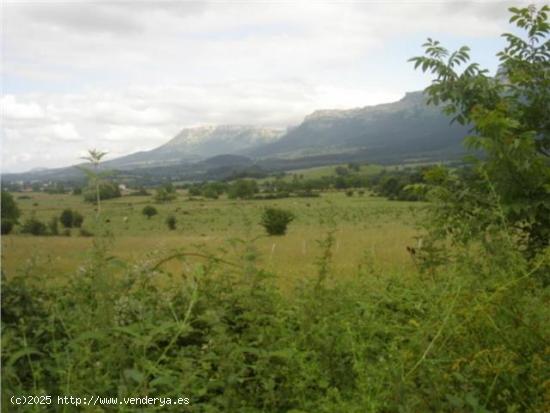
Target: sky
[123, 76]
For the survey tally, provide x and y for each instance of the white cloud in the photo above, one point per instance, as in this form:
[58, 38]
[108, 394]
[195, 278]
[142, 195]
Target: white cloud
[63, 132]
[130, 74]
[11, 109]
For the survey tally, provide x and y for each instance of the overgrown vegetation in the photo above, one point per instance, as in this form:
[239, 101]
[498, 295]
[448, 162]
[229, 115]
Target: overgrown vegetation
[466, 332]
[509, 117]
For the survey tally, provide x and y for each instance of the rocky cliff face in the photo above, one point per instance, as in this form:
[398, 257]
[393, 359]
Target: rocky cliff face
[405, 126]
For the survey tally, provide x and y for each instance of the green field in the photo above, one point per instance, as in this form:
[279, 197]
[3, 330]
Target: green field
[365, 228]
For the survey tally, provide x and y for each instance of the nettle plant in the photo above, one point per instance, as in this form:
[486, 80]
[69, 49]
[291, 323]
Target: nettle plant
[509, 116]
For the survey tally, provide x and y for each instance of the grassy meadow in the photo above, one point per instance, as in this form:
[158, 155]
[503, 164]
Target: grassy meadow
[335, 315]
[365, 228]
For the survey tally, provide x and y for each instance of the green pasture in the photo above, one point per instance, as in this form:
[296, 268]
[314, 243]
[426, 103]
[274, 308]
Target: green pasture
[365, 228]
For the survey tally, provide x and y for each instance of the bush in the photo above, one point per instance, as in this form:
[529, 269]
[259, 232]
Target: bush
[107, 190]
[9, 210]
[78, 219]
[66, 218]
[34, 226]
[243, 189]
[349, 192]
[149, 211]
[7, 226]
[164, 195]
[70, 218]
[171, 222]
[275, 220]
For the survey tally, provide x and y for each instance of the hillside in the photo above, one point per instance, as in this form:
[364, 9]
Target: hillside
[404, 129]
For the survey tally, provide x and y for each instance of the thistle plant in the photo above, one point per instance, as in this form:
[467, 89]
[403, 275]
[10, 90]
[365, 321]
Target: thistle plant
[94, 176]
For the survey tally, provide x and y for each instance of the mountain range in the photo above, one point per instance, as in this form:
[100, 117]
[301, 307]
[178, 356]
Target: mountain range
[404, 131]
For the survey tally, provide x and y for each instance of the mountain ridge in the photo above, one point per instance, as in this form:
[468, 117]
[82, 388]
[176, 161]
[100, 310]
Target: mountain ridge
[407, 129]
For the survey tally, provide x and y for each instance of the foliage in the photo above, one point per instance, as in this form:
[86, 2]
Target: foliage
[398, 185]
[243, 189]
[34, 226]
[70, 218]
[471, 339]
[276, 220]
[7, 227]
[105, 189]
[10, 212]
[149, 211]
[57, 188]
[98, 188]
[171, 222]
[509, 117]
[165, 193]
[66, 218]
[78, 219]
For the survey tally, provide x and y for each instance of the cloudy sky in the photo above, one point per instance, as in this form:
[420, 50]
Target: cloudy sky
[123, 76]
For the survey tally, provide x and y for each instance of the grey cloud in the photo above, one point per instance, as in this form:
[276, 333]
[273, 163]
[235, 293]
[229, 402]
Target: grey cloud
[116, 18]
[85, 17]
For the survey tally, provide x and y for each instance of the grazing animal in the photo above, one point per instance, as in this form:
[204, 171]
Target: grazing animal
[125, 220]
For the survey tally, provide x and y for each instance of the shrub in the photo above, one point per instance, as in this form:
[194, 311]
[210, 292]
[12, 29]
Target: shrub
[163, 195]
[149, 211]
[171, 222]
[66, 218]
[70, 218]
[349, 192]
[34, 226]
[243, 189]
[7, 226]
[107, 190]
[9, 211]
[78, 219]
[275, 220]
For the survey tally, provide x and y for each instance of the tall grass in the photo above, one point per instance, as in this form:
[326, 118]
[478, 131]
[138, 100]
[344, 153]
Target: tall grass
[471, 336]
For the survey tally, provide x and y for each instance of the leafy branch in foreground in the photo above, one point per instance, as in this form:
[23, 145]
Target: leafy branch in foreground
[509, 116]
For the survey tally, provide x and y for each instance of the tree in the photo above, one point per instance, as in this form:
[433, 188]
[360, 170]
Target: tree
[165, 193]
[149, 211]
[70, 218]
[10, 212]
[107, 190]
[243, 188]
[509, 115]
[66, 218]
[275, 220]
